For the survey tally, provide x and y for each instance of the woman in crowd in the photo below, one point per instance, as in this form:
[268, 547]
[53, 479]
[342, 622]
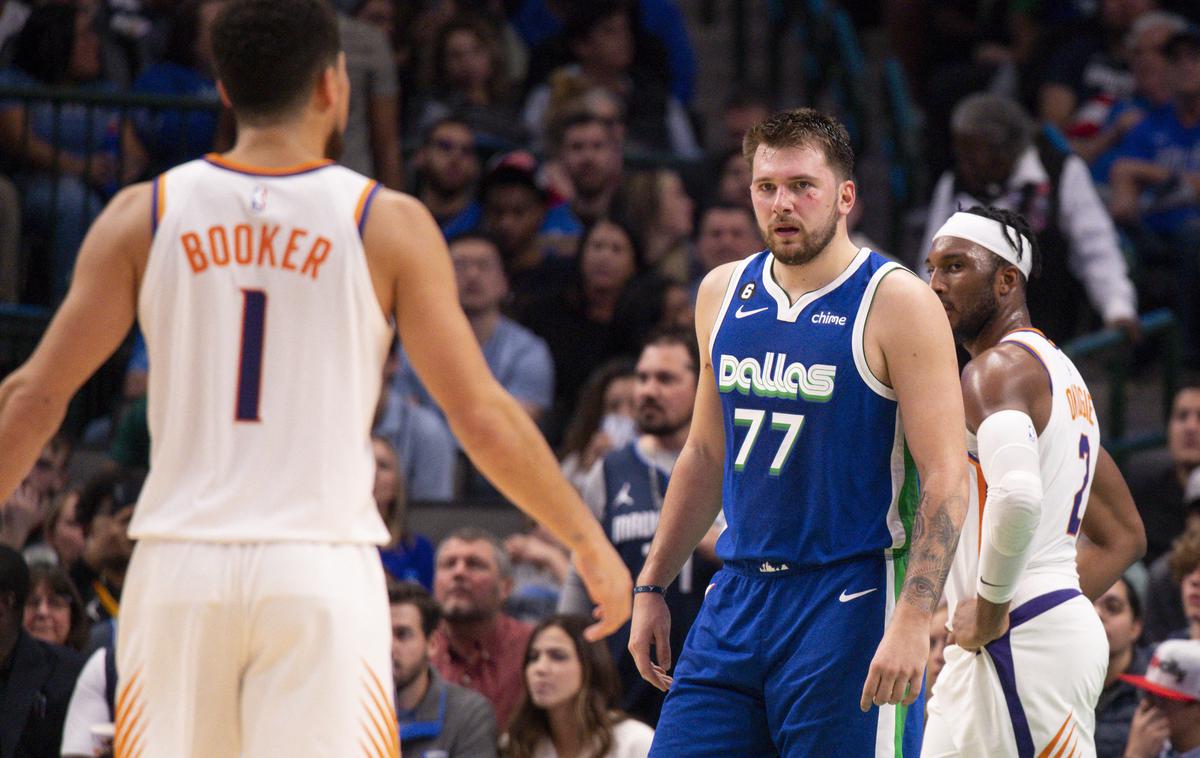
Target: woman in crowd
[53, 609]
[568, 708]
[661, 214]
[603, 420]
[407, 557]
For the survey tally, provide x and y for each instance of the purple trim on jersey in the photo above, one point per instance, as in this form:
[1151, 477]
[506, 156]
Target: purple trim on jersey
[154, 205]
[362, 222]
[1001, 652]
[1039, 605]
[1036, 357]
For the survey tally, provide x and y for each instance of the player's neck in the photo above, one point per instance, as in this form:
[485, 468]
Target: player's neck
[278, 146]
[826, 266]
[1006, 320]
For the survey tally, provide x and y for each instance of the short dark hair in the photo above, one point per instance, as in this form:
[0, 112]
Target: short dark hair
[107, 492]
[268, 53]
[1015, 223]
[14, 578]
[410, 593]
[804, 127]
[557, 130]
[450, 118]
[727, 208]
[477, 235]
[675, 335]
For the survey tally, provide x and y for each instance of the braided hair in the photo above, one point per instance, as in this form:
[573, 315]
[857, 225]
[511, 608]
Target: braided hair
[1013, 224]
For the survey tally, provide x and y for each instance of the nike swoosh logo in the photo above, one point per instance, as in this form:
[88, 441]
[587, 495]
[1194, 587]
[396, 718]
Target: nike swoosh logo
[844, 598]
[743, 314]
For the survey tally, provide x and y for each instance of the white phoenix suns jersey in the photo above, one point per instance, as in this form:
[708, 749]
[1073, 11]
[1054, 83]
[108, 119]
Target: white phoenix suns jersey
[1067, 447]
[266, 344]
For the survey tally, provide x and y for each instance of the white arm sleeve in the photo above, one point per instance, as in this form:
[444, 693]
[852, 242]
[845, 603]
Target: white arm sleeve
[1008, 453]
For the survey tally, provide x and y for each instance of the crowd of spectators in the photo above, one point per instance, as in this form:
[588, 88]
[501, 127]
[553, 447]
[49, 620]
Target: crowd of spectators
[558, 145]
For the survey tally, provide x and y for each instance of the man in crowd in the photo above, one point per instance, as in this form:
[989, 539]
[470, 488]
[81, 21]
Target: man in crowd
[1167, 721]
[434, 715]
[591, 156]
[726, 233]
[448, 168]
[625, 491]
[104, 511]
[477, 645]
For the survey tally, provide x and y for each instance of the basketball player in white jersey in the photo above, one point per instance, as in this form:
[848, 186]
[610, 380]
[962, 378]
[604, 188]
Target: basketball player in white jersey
[1028, 654]
[254, 619]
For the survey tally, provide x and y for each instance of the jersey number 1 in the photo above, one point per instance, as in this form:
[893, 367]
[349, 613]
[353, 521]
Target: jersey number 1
[254, 325]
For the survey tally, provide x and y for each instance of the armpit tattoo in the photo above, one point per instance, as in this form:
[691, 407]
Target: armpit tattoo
[934, 539]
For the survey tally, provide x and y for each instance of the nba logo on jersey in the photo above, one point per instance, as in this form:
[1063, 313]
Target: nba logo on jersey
[258, 199]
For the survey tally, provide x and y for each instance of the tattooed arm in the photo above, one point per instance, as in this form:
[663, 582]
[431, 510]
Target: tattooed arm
[908, 347]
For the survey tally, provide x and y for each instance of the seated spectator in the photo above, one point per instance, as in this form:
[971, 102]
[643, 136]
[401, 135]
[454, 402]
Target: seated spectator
[540, 565]
[92, 704]
[427, 451]
[603, 419]
[371, 140]
[569, 701]
[407, 557]
[600, 37]
[514, 213]
[587, 147]
[1158, 484]
[578, 324]
[477, 645]
[1120, 611]
[435, 716]
[726, 233]
[11, 269]
[172, 137]
[1166, 723]
[62, 532]
[447, 169]
[1164, 607]
[1184, 562]
[661, 214]
[38, 676]
[53, 609]
[1111, 121]
[470, 81]
[105, 510]
[1001, 160]
[742, 109]
[518, 359]
[733, 180]
[1155, 181]
[22, 516]
[63, 184]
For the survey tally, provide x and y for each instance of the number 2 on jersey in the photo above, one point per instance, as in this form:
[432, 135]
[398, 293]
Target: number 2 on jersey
[254, 324]
[788, 423]
[1085, 452]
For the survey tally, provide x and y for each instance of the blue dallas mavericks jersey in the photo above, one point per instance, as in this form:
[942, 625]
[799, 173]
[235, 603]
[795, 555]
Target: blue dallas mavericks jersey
[816, 467]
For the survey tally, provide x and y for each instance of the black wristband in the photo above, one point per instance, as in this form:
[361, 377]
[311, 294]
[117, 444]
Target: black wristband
[649, 588]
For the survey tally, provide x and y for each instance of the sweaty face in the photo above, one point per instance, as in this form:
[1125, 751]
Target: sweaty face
[666, 389]
[553, 672]
[796, 202]
[467, 581]
[961, 275]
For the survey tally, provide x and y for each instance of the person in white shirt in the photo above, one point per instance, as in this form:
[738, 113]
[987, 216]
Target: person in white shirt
[568, 705]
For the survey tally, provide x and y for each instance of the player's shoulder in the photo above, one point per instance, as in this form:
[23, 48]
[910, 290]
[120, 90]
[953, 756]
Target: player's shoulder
[715, 282]
[900, 286]
[1004, 375]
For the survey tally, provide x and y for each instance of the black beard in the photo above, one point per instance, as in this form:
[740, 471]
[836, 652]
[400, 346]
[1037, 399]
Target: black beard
[971, 323]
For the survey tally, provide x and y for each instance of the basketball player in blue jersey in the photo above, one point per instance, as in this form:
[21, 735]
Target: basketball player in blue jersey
[267, 282]
[828, 386]
[1027, 655]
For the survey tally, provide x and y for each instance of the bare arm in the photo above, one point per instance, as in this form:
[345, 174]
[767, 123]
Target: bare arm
[496, 432]
[692, 502]
[93, 320]
[920, 365]
[384, 115]
[1126, 179]
[1113, 533]
[1057, 103]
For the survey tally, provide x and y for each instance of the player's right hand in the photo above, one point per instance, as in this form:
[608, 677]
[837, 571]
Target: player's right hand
[608, 584]
[651, 625]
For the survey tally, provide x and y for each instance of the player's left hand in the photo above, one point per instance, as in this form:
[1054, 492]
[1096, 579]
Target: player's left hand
[899, 662]
[972, 629]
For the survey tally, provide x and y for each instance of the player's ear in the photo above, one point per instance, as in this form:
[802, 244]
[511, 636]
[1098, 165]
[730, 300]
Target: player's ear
[225, 101]
[1007, 279]
[847, 194]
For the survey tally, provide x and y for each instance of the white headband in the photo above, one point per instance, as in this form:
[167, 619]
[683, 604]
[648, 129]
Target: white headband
[991, 235]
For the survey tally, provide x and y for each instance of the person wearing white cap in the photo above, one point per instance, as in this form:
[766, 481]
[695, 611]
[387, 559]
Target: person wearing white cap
[1027, 655]
[1167, 722]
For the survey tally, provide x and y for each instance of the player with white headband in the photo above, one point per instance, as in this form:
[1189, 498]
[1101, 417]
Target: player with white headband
[1027, 656]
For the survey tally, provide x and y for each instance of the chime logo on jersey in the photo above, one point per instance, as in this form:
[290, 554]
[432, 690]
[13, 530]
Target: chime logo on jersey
[775, 377]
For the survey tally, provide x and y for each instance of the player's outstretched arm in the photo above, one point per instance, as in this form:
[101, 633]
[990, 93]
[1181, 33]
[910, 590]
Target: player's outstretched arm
[405, 248]
[91, 323]
[1112, 528]
[692, 502]
[908, 338]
